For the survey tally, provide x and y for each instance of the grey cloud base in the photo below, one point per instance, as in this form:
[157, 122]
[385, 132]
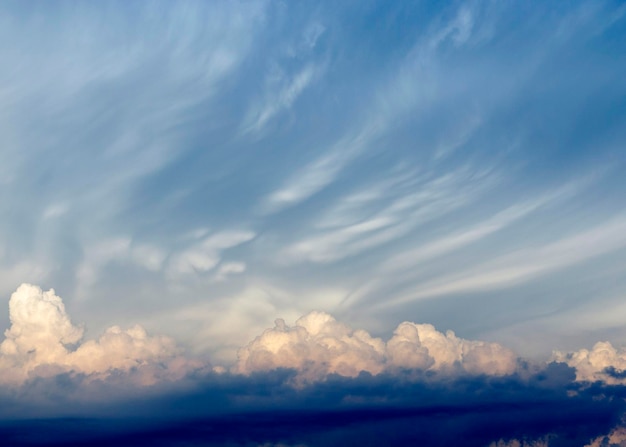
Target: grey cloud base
[265, 409]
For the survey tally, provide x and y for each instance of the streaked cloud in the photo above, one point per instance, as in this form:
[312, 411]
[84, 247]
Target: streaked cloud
[204, 255]
[526, 264]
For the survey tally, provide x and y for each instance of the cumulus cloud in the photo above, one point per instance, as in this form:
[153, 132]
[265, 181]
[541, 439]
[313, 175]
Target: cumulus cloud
[318, 345]
[603, 362]
[421, 346]
[616, 438]
[43, 341]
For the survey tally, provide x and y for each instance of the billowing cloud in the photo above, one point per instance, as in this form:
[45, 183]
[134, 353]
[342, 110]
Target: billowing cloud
[421, 346]
[603, 362]
[318, 345]
[43, 341]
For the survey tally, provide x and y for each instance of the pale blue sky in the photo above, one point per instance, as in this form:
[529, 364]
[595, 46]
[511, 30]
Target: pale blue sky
[203, 168]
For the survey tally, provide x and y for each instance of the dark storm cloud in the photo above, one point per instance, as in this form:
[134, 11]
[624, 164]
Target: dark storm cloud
[407, 409]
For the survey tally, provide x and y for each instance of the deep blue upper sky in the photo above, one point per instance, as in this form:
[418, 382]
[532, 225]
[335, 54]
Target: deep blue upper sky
[203, 168]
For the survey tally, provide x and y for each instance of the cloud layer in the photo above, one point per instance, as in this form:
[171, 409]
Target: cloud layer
[42, 341]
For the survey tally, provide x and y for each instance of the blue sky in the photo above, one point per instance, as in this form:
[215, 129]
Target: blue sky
[208, 203]
[203, 169]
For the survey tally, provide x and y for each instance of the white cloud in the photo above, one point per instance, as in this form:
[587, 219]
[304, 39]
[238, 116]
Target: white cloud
[456, 240]
[204, 255]
[321, 172]
[55, 210]
[148, 256]
[421, 346]
[458, 30]
[400, 206]
[404, 90]
[223, 325]
[42, 340]
[284, 94]
[524, 265]
[603, 362]
[229, 268]
[318, 345]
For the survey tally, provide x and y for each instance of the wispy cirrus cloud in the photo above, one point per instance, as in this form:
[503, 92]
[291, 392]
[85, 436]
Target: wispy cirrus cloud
[526, 264]
[400, 95]
[286, 90]
[390, 211]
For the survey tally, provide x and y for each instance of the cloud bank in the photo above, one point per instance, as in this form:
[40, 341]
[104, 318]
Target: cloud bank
[42, 341]
[318, 345]
[318, 382]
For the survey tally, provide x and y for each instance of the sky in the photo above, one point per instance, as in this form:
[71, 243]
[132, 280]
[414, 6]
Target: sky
[362, 221]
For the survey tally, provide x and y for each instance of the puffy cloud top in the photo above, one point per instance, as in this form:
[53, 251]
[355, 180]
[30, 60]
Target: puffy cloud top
[421, 346]
[42, 340]
[318, 345]
[603, 362]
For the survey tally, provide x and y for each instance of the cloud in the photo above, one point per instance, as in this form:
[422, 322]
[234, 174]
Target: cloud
[265, 408]
[421, 346]
[286, 91]
[525, 264]
[420, 386]
[616, 438]
[42, 341]
[321, 172]
[220, 327]
[401, 205]
[522, 443]
[205, 255]
[603, 362]
[229, 268]
[401, 93]
[454, 241]
[318, 345]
